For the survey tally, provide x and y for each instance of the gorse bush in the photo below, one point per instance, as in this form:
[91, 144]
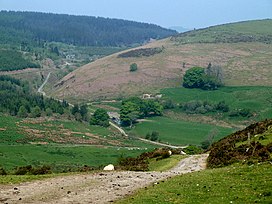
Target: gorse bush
[243, 145]
[143, 52]
[23, 170]
[141, 162]
[2, 171]
[202, 107]
[246, 113]
[192, 149]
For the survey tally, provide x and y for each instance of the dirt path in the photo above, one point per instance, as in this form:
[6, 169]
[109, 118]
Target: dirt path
[103, 187]
[40, 89]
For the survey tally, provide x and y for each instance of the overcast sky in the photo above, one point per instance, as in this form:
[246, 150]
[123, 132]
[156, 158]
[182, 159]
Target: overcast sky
[166, 13]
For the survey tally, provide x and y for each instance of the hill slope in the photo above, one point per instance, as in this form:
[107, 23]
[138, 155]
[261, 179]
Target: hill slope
[18, 27]
[252, 143]
[244, 61]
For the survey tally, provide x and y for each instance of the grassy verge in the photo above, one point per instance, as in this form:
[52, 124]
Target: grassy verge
[164, 164]
[12, 179]
[234, 184]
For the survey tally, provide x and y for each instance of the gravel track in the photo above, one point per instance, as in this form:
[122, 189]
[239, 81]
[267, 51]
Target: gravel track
[102, 187]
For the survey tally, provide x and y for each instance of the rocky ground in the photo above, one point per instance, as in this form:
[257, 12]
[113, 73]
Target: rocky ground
[101, 187]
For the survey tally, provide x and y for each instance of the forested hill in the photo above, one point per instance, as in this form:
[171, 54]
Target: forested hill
[18, 27]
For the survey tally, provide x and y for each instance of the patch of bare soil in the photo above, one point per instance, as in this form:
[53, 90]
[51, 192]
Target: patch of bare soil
[102, 187]
[44, 133]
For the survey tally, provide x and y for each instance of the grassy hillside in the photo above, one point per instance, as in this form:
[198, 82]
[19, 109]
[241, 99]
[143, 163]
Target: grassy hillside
[252, 144]
[248, 31]
[257, 99]
[244, 176]
[233, 184]
[244, 62]
[179, 132]
[62, 144]
[59, 43]
[180, 126]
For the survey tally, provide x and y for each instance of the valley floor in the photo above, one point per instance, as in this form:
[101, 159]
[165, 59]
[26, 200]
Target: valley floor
[101, 187]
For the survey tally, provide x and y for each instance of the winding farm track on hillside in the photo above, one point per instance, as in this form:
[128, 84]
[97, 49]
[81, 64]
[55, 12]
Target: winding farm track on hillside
[147, 141]
[101, 187]
[40, 89]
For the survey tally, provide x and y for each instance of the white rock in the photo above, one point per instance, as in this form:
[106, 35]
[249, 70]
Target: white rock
[110, 167]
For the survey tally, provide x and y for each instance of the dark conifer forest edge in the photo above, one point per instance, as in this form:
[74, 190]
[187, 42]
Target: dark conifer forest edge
[18, 27]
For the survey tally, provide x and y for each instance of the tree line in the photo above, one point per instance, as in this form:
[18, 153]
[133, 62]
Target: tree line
[17, 99]
[135, 108]
[17, 27]
[209, 78]
[14, 60]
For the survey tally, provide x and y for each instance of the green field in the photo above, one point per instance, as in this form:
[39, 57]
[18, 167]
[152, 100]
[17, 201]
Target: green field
[177, 127]
[233, 184]
[61, 157]
[179, 132]
[258, 99]
[63, 144]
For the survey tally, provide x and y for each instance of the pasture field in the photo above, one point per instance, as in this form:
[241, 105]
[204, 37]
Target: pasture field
[179, 132]
[179, 128]
[62, 157]
[258, 99]
[234, 184]
[63, 144]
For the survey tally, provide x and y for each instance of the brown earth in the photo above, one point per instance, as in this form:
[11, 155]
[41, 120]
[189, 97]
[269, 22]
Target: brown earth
[109, 77]
[43, 133]
[102, 187]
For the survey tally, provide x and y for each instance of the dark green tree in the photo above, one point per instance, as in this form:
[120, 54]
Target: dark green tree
[22, 113]
[193, 77]
[100, 117]
[36, 112]
[207, 79]
[75, 109]
[133, 67]
[49, 112]
[83, 110]
[154, 136]
[129, 113]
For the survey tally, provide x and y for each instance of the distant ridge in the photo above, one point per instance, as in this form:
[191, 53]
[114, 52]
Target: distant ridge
[16, 27]
[179, 29]
[245, 31]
